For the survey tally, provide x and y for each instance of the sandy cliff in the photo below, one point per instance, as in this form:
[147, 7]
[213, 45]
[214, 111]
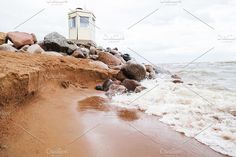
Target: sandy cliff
[22, 75]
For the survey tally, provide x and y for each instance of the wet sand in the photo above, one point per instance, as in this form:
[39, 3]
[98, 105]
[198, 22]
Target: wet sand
[70, 123]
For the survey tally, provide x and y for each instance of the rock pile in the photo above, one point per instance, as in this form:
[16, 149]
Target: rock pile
[129, 72]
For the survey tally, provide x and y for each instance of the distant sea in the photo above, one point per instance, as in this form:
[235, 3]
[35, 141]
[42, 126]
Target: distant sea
[203, 107]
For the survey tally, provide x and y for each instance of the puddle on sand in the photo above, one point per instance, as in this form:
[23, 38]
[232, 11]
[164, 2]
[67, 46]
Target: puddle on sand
[98, 103]
[94, 103]
[127, 115]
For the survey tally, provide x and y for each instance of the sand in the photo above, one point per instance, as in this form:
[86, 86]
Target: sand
[69, 123]
[77, 120]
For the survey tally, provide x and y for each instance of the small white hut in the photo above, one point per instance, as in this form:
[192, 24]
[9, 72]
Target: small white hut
[81, 25]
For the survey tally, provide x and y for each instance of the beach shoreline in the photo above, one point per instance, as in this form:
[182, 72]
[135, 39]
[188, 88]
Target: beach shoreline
[55, 123]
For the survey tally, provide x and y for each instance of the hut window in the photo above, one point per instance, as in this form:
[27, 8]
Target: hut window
[84, 21]
[72, 22]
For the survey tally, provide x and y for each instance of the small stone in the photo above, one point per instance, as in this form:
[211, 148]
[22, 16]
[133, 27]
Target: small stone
[175, 77]
[139, 89]
[85, 52]
[107, 84]
[115, 49]
[99, 87]
[100, 48]
[78, 54]
[177, 81]
[120, 76]
[130, 84]
[93, 57]
[93, 50]
[35, 49]
[115, 89]
[7, 47]
[126, 57]
[108, 49]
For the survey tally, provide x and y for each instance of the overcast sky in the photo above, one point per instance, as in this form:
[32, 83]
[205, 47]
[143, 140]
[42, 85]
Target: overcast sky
[174, 31]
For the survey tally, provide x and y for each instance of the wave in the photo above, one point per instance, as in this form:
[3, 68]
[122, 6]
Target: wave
[190, 108]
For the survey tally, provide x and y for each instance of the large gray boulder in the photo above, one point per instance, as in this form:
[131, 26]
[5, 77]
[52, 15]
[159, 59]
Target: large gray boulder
[56, 42]
[134, 71]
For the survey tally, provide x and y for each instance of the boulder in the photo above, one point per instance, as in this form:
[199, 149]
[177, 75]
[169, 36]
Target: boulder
[108, 59]
[2, 38]
[120, 58]
[35, 49]
[93, 50]
[115, 89]
[93, 57]
[34, 37]
[107, 84]
[130, 84]
[151, 74]
[85, 51]
[139, 89]
[56, 42]
[149, 68]
[115, 49]
[78, 54]
[126, 57]
[108, 49]
[118, 67]
[134, 71]
[114, 52]
[20, 39]
[7, 47]
[120, 76]
[83, 44]
[99, 65]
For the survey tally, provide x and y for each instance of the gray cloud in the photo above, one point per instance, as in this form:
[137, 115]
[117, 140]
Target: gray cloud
[169, 35]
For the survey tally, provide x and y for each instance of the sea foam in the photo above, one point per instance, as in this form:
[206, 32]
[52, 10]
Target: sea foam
[202, 111]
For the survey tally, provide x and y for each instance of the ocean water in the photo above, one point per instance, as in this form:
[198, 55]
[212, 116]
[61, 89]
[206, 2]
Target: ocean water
[203, 107]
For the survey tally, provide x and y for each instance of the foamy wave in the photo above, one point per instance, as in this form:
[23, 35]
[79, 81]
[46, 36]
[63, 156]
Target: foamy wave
[189, 109]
